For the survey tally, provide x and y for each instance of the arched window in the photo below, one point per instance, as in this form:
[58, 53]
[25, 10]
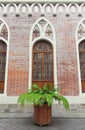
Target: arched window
[42, 63]
[82, 63]
[4, 40]
[3, 49]
[42, 51]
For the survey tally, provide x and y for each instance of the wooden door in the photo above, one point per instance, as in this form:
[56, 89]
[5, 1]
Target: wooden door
[2, 65]
[42, 70]
[82, 63]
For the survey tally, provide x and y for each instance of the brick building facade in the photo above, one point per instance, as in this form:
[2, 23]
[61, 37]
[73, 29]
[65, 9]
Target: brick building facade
[25, 24]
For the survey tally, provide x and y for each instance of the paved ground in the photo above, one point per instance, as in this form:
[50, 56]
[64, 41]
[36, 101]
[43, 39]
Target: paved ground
[27, 124]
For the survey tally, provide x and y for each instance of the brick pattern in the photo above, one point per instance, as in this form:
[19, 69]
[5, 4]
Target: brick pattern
[18, 66]
[66, 56]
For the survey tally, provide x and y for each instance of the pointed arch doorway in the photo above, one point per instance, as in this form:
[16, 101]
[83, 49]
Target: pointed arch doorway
[42, 63]
[82, 63]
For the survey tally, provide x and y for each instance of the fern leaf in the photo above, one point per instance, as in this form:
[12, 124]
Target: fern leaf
[63, 99]
[49, 99]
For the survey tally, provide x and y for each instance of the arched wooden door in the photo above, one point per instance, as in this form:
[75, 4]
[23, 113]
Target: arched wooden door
[42, 64]
[82, 63]
[3, 48]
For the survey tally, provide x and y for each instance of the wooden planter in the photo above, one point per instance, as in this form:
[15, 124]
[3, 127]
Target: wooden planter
[42, 115]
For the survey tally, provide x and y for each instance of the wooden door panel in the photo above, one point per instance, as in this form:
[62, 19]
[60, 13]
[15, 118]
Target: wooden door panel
[42, 64]
[3, 49]
[41, 83]
[83, 86]
[1, 86]
[82, 63]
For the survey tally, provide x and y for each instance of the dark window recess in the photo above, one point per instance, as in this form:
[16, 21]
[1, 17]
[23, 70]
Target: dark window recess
[82, 63]
[2, 65]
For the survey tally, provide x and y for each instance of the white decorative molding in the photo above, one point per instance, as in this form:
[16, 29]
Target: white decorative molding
[80, 36]
[42, 25]
[81, 30]
[35, 1]
[42, 29]
[6, 40]
[43, 9]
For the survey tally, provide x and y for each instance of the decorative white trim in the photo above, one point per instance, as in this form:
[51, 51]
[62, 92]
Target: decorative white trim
[40, 1]
[42, 8]
[7, 54]
[53, 42]
[78, 62]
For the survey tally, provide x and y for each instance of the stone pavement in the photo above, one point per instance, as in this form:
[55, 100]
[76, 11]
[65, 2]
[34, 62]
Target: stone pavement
[16, 111]
[16, 118]
[27, 124]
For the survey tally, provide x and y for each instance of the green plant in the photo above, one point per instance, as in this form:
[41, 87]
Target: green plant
[39, 96]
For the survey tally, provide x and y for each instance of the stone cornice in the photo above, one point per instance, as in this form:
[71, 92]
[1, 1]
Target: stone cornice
[42, 1]
[34, 8]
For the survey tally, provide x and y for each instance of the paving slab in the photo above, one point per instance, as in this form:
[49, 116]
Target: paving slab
[28, 124]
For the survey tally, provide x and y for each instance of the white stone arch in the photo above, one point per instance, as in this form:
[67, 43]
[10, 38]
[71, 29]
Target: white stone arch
[7, 29]
[42, 38]
[77, 7]
[78, 41]
[80, 22]
[81, 8]
[61, 5]
[7, 7]
[21, 5]
[51, 7]
[31, 43]
[5, 83]
[42, 18]
[32, 6]
[2, 7]
[7, 54]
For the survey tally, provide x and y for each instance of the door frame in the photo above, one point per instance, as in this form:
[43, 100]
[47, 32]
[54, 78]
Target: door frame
[78, 62]
[6, 67]
[42, 37]
[80, 66]
[30, 60]
[42, 81]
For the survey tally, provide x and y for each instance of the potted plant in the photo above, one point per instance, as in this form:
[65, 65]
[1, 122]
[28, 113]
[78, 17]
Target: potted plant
[42, 99]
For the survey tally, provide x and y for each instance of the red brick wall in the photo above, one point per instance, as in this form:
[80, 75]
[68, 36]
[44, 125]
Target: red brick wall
[67, 68]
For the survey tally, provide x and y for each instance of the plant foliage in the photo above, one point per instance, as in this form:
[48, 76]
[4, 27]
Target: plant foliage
[39, 96]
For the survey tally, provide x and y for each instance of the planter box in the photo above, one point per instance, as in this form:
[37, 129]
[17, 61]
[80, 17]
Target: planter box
[42, 115]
